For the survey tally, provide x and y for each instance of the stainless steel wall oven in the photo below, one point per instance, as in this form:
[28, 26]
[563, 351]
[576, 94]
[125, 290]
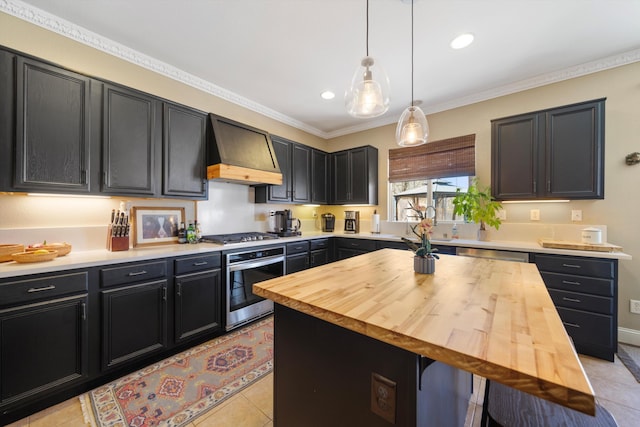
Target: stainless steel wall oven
[243, 269]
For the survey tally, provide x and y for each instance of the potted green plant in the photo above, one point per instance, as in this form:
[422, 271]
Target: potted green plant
[479, 206]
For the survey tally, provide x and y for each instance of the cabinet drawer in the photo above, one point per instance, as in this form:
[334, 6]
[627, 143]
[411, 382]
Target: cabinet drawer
[197, 263]
[360, 244]
[297, 247]
[319, 244]
[587, 285]
[587, 328]
[23, 291]
[581, 301]
[133, 273]
[580, 266]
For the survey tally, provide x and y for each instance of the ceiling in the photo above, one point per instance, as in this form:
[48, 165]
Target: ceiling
[277, 56]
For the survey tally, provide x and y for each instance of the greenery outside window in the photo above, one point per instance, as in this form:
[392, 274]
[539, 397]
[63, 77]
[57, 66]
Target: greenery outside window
[437, 193]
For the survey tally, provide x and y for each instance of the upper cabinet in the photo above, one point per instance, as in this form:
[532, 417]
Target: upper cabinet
[354, 176]
[294, 160]
[130, 142]
[550, 154]
[184, 146]
[52, 128]
[319, 177]
[63, 132]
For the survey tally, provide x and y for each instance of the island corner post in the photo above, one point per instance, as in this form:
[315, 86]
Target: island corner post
[357, 336]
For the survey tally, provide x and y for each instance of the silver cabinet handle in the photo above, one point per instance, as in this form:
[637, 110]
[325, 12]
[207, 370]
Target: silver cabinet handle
[45, 288]
[571, 324]
[570, 299]
[84, 311]
[137, 273]
[197, 264]
[568, 282]
[571, 266]
[179, 289]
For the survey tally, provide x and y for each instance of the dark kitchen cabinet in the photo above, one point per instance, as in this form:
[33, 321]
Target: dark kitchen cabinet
[297, 256]
[52, 131]
[295, 165]
[7, 119]
[184, 148]
[585, 293]
[319, 250]
[44, 339]
[319, 177]
[130, 143]
[134, 312]
[347, 247]
[550, 154]
[354, 176]
[198, 297]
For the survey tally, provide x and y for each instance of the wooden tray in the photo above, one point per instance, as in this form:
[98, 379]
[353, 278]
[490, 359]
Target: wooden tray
[33, 257]
[62, 248]
[6, 250]
[564, 244]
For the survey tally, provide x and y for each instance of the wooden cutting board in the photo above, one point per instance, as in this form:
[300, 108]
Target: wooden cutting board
[564, 244]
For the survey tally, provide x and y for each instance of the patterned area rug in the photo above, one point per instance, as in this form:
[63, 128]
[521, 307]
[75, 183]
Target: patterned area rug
[629, 355]
[176, 390]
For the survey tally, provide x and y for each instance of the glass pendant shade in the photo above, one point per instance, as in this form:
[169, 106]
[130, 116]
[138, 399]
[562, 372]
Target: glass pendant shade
[412, 128]
[368, 94]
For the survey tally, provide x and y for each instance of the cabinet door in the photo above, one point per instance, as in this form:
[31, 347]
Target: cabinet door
[575, 147]
[134, 322]
[300, 173]
[7, 118]
[515, 157]
[130, 142]
[198, 303]
[341, 177]
[297, 262]
[281, 193]
[359, 178]
[52, 130]
[319, 177]
[43, 347]
[184, 139]
[319, 257]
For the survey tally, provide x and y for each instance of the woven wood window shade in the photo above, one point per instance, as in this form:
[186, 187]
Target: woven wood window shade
[437, 159]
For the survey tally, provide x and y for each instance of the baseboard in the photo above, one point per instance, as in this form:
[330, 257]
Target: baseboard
[629, 336]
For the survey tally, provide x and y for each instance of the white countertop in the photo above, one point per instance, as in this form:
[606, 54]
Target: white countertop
[94, 258]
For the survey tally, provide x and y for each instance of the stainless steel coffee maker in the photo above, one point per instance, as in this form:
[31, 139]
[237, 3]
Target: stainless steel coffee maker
[286, 225]
[352, 221]
[328, 221]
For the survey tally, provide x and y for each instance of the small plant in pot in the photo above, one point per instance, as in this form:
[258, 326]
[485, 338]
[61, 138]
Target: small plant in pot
[425, 256]
[477, 205]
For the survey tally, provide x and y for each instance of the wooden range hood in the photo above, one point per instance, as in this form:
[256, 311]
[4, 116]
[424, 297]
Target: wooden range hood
[241, 154]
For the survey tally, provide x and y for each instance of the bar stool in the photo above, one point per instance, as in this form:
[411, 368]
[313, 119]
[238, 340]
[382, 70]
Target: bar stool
[508, 407]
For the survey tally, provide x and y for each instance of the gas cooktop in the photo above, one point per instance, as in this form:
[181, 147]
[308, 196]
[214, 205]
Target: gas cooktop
[225, 239]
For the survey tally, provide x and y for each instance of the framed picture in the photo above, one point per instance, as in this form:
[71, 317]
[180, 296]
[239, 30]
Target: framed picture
[156, 226]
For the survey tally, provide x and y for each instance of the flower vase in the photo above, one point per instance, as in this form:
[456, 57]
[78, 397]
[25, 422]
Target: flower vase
[424, 265]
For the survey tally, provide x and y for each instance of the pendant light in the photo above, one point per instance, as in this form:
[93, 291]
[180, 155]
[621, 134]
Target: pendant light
[413, 128]
[367, 97]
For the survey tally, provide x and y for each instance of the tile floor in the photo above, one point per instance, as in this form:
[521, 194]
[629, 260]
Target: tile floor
[614, 386]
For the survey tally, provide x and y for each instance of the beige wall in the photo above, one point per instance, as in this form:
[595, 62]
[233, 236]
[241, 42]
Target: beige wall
[621, 87]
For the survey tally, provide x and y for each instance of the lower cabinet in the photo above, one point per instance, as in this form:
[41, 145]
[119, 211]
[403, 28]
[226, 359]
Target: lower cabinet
[585, 292]
[197, 298]
[43, 338]
[348, 247]
[319, 252]
[134, 312]
[297, 256]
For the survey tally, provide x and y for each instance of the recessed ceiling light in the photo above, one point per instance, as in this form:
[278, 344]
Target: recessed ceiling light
[462, 41]
[327, 94]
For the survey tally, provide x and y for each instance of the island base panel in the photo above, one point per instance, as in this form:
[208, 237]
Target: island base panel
[323, 376]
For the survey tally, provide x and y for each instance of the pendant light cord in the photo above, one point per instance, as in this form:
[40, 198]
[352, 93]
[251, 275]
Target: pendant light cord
[412, 1]
[367, 39]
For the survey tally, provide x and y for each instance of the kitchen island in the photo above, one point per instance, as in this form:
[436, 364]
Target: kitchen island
[342, 326]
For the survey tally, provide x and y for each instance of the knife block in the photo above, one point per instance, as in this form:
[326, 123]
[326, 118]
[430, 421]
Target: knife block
[117, 243]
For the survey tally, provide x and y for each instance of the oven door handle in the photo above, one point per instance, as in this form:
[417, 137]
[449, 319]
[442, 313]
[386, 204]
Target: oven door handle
[254, 264]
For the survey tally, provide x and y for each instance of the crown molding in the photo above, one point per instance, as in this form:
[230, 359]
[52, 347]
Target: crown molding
[58, 25]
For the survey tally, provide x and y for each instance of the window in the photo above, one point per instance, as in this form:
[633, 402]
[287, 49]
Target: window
[432, 193]
[427, 177]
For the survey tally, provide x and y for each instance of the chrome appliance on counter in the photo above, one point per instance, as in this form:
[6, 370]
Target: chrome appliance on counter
[226, 239]
[351, 221]
[328, 221]
[243, 269]
[286, 225]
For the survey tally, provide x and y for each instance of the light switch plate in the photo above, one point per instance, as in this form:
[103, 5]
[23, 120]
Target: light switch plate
[576, 215]
[535, 214]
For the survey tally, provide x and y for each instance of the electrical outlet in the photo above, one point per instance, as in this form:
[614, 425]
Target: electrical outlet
[502, 215]
[535, 214]
[272, 213]
[383, 397]
[315, 213]
[576, 215]
[634, 306]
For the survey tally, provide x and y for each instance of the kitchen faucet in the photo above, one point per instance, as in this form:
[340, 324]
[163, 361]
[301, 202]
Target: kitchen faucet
[435, 214]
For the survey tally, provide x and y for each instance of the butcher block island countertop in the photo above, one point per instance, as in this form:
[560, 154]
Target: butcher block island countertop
[492, 318]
